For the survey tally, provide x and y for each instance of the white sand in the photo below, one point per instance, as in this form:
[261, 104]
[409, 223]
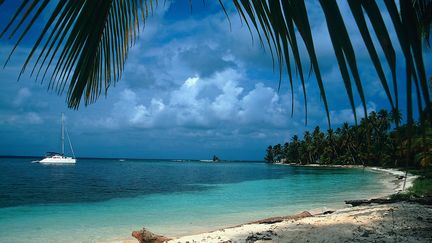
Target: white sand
[399, 222]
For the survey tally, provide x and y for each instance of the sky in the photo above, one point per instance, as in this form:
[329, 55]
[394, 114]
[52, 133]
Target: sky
[192, 88]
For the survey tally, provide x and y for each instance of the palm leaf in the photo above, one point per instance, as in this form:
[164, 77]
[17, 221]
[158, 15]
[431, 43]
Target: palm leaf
[343, 50]
[84, 44]
[423, 10]
[411, 24]
[380, 29]
[301, 19]
[356, 8]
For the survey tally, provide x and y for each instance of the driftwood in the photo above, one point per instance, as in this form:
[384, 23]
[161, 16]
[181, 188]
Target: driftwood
[145, 236]
[369, 201]
[273, 220]
[420, 200]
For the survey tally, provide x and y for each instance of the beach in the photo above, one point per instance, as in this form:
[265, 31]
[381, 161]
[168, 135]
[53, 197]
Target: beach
[395, 222]
[398, 222]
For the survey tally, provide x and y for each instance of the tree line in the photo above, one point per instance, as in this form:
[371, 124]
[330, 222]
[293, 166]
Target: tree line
[378, 140]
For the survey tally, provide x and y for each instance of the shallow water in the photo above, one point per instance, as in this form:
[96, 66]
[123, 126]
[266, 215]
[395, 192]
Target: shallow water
[106, 199]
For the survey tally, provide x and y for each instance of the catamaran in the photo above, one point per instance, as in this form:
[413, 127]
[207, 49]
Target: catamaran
[60, 158]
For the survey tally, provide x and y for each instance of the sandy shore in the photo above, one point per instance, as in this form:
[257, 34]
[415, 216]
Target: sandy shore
[397, 184]
[398, 174]
[398, 222]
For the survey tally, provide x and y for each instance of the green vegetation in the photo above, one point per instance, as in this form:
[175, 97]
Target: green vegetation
[422, 187]
[373, 142]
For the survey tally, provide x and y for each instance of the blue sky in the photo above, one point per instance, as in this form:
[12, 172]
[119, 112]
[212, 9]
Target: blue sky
[191, 88]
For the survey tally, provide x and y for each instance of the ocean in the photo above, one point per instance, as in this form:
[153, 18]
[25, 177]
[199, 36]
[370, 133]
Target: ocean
[106, 199]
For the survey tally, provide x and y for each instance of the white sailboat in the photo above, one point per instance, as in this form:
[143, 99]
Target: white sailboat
[60, 158]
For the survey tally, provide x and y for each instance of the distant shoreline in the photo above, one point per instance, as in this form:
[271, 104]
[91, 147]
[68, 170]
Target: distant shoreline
[393, 171]
[144, 159]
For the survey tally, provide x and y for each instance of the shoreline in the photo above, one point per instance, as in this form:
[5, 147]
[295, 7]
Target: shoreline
[383, 223]
[410, 178]
[398, 182]
[267, 229]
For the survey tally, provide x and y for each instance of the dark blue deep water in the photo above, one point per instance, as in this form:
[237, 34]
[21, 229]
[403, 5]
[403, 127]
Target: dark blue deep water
[22, 182]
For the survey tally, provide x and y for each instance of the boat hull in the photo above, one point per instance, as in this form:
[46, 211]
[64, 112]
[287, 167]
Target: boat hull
[62, 160]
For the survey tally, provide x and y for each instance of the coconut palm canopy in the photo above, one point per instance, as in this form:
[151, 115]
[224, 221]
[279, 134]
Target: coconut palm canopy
[83, 45]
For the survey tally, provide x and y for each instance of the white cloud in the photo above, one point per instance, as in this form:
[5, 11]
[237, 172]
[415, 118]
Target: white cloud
[30, 118]
[226, 104]
[347, 115]
[22, 95]
[261, 105]
[201, 102]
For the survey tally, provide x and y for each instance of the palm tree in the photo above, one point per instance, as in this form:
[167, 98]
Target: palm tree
[384, 120]
[308, 145]
[330, 151]
[318, 142]
[286, 152]
[278, 153]
[396, 117]
[84, 44]
[269, 157]
[294, 149]
[349, 144]
[303, 152]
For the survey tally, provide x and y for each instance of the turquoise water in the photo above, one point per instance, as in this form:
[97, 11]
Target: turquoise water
[98, 200]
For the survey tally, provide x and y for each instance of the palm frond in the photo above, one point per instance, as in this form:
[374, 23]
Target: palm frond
[84, 44]
[343, 50]
[384, 39]
[423, 10]
[412, 24]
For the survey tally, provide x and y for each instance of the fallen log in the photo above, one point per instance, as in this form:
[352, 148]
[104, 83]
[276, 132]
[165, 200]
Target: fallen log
[273, 220]
[355, 203]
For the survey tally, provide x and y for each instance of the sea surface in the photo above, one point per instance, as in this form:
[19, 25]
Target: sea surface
[106, 199]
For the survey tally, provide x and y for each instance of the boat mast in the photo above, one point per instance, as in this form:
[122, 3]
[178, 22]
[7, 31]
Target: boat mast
[62, 134]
